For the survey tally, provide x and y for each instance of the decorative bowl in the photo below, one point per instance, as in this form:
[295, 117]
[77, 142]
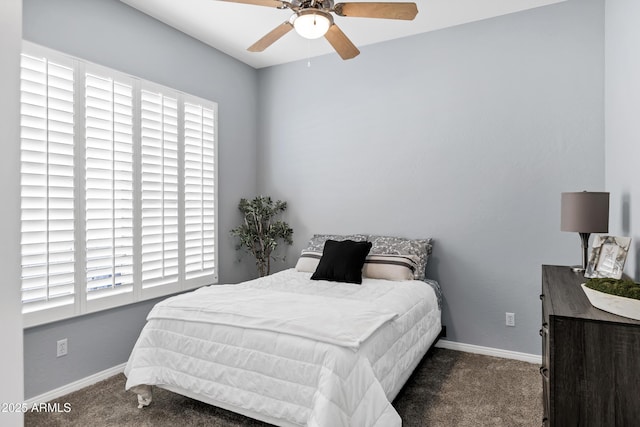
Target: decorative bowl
[622, 306]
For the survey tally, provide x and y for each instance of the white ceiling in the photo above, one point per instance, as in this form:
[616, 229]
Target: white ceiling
[232, 27]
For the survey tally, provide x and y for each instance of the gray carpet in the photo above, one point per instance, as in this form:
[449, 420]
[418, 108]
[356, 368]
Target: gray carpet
[448, 389]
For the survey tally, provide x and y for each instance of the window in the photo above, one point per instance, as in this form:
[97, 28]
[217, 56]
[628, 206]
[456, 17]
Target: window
[118, 180]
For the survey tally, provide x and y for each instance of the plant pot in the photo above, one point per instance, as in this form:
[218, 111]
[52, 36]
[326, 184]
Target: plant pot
[622, 306]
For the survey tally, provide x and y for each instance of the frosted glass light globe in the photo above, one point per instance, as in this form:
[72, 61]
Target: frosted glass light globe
[312, 24]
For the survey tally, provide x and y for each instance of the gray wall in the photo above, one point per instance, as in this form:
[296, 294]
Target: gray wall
[96, 342]
[622, 105]
[11, 367]
[467, 135]
[111, 33]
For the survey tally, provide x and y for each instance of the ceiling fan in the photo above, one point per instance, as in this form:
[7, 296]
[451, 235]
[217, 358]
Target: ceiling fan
[312, 19]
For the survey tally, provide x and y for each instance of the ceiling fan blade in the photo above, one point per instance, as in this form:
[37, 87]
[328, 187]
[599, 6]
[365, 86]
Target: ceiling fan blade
[341, 43]
[271, 37]
[405, 11]
[267, 3]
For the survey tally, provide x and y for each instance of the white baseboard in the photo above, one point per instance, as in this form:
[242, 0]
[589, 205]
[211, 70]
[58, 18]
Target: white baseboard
[76, 385]
[489, 351]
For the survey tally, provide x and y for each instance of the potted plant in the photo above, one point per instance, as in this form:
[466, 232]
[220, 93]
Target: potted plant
[260, 234]
[621, 297]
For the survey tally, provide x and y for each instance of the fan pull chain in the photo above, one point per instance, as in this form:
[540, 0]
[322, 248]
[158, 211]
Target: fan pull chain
[308, 53]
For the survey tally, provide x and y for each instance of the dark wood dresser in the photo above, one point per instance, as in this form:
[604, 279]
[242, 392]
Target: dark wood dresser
[590, 358]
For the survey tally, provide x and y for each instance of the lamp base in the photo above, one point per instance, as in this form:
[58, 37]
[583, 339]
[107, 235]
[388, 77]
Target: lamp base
[584, 242]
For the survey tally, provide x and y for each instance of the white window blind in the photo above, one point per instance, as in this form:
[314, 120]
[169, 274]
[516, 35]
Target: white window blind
[47, 183]
[159, 137]
[108, 185]
[199, 190]
[118, 188]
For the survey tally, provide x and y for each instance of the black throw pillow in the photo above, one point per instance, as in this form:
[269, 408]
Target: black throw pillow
[342, 261]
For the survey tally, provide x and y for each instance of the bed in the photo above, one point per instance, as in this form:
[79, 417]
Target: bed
[292, 349]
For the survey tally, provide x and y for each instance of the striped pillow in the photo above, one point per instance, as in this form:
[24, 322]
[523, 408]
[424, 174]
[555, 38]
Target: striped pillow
[308, 261]
[387, 245]
[390, 267]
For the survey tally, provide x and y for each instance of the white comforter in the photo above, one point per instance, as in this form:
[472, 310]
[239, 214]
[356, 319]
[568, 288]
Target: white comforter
[288, 350]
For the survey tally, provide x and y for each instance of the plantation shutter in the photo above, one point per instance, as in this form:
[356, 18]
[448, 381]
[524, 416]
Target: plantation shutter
[47, 183]
[118, 188]
[108, 186]
[199, 190]
[159, 175]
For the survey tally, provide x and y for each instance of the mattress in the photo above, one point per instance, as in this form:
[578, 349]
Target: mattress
[288, 350]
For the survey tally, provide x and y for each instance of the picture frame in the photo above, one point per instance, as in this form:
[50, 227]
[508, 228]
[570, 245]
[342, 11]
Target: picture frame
[608, 256]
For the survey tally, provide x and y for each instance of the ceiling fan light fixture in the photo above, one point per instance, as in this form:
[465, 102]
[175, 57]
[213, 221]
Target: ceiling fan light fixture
[312, 23]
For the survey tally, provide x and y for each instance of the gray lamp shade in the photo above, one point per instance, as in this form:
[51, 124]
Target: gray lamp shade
[585, 212]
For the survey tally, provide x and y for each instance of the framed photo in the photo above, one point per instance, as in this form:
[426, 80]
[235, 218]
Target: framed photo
[608, 256]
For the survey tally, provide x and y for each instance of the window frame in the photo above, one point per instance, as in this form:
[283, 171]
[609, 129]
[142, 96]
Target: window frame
[84, 301]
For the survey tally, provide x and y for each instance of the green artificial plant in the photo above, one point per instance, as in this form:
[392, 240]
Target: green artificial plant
[259, 234]
[621, 288]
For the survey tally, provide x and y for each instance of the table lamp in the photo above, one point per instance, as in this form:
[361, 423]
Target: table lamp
[585, 212]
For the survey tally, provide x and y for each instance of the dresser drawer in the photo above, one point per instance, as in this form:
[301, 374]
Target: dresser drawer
[546, 403]
[545, 303]
[544, 334]
[544, 369]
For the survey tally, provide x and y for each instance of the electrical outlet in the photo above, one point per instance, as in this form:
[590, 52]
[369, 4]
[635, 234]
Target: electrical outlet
[61, 348]
[510, 319]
